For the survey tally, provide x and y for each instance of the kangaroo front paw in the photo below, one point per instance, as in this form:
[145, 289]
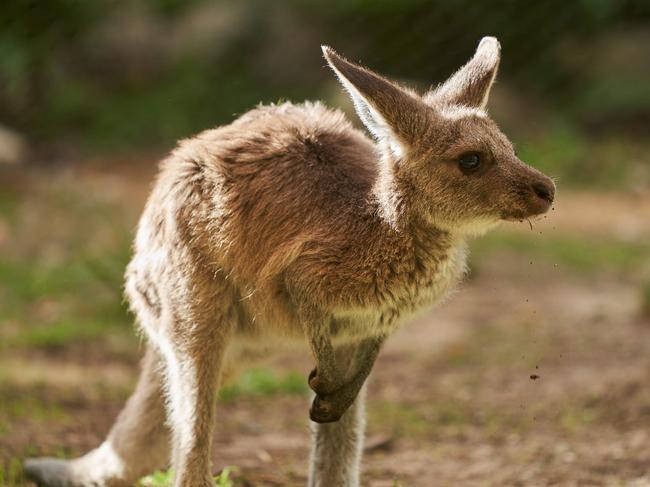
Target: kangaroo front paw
[49, 472]
[319, 384]
[327, 408]
[323, 410]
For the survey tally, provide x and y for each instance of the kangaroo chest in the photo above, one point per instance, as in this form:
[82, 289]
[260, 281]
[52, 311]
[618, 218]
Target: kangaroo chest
[397, 300]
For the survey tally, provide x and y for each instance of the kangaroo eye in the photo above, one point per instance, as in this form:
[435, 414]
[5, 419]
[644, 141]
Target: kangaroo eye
[469, 161]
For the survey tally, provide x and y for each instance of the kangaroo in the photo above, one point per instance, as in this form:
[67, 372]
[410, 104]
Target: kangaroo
[289, 226]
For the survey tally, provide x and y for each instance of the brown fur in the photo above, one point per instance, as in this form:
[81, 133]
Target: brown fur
[291, 226]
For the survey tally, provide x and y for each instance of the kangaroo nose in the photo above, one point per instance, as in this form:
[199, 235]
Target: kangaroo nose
[544, 190]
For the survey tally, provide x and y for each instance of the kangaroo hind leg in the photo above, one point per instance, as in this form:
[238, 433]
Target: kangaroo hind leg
[193, 368]
[137, 444]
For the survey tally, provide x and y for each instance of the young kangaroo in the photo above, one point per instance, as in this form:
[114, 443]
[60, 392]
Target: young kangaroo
[289, 225]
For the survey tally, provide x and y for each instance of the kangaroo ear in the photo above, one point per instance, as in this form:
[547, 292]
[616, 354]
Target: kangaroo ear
[470, 85]
[391, 113]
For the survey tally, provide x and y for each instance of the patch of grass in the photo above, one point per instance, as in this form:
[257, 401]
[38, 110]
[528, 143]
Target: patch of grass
[403, 420]
[157, 479]
[32, 408]
[223, 479]
[165, 479]
[34, 278]
[494, 343]
[57, 335]
[11, 474]
[61, 272]
[265, 382]
[447, 416]
[444, 416]
[577, 254]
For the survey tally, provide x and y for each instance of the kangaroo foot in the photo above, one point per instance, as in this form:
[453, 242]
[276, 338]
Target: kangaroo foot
[49, 472]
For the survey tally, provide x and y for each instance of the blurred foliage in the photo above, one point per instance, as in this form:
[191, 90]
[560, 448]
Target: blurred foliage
[142, 73]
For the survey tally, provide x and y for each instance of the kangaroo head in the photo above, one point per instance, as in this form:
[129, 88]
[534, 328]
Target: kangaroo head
[441, 152]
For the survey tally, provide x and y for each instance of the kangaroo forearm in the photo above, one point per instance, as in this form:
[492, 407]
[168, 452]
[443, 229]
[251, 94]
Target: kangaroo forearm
[327, 375]
[330, 404]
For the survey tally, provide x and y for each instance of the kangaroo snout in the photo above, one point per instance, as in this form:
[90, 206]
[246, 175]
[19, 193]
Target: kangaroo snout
[531, 195]
[541, 195]
[544, 190]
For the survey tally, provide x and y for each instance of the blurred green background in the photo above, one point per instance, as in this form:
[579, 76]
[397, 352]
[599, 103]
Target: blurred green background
[108, 76]
[93, 93]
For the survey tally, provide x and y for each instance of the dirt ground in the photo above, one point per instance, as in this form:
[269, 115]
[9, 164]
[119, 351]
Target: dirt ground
[534, 373]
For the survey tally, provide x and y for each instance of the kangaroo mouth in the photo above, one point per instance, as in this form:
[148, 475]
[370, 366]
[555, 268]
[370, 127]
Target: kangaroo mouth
[518, 217]
[525, 214]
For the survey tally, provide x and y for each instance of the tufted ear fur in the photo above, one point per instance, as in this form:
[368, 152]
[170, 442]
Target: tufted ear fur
[470, 85]
[393, 115]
